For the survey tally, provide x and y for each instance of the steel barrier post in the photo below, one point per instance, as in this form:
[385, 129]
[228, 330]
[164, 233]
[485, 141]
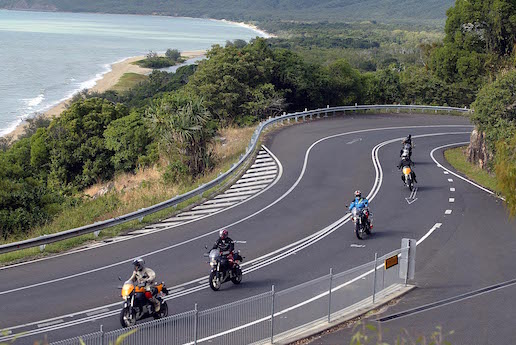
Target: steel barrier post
[272, 314]
[196, 320]
[329, 295]
[374, 276]
[101, 335]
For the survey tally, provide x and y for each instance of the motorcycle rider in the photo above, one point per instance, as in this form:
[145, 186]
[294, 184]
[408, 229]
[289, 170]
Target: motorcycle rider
[407, 162]
[145, 275]
[407, 143]
[227, 246]
[361, 204]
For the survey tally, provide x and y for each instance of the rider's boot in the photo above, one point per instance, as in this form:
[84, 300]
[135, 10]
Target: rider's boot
[157, 304]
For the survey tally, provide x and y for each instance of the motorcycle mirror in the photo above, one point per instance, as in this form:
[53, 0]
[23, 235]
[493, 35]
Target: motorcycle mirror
[205, 247]
[119, 278]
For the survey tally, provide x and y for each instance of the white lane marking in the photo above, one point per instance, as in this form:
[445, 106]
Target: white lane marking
[262, 173]
[181, 217]
[263, 160]
[372, 194]
[451, 199]
[354, 141]
[236, 193]
[199, 212]
[225, 197]
[267, 168]
[256, 183]
[142, 231]
[96, 312]
[357, 245]
[450, 180]
[261, 179]
[445, 172]
[248, 190]
[207, 207]
[52, 323]
[448, 212]
[436, 226]
[457, 175]
[240, 187]
[267, 187]
[452, 189]
[263, 165]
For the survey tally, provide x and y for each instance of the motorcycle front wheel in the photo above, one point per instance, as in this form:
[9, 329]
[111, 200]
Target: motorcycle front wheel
[215, 282]
[163, 311]
[127, 317]
[238, 276]
[358, 231]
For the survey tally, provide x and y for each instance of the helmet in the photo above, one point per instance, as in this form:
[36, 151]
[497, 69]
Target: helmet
[409, 136]
[138, 264]
[223, 233]
[358, 194]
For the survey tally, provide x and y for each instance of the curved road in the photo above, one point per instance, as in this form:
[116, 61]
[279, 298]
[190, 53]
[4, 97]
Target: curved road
[323, 162]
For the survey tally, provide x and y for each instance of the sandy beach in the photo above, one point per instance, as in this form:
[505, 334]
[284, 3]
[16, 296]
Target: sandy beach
[107, 81]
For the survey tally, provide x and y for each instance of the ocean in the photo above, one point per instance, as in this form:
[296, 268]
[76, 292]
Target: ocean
[46, 57]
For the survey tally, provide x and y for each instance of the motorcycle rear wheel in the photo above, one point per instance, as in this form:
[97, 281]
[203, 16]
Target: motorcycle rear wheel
[163, 311]
[238, 277]
[215, 282]
[127, 317]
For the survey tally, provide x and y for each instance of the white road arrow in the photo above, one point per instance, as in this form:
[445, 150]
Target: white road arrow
[412, 198]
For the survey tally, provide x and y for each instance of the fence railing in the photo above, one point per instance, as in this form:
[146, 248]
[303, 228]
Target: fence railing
[307, 114]
[274, 316]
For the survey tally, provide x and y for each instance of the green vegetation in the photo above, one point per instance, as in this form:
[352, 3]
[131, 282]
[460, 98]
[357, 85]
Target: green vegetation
[129, 81]
[458, 159]
[152, 60]
[306, 10]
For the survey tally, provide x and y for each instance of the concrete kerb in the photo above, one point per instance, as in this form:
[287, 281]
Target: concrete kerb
[352, 312]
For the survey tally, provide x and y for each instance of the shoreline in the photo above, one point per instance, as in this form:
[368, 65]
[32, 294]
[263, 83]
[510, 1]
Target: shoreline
[107, 80]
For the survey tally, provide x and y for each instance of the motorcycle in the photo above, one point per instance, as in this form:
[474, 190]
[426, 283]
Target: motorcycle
[407, 178]
[137, 305]
[406, 151]
[225, 266]
[361, 220]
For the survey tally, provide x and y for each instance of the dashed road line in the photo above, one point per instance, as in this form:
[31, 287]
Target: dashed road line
[51, 323]
[450, 180]
[451, 199]
[448, 212]
[452, 189]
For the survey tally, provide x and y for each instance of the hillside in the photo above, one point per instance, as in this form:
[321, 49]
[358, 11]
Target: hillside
[332, 10]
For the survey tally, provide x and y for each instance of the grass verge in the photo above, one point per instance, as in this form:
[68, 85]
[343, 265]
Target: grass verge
[458, 159]
[128, 81]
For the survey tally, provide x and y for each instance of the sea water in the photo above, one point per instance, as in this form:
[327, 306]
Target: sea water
[45, 57]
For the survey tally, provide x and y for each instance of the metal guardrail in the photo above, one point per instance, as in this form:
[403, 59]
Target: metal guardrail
[46, 239]
[274, 316]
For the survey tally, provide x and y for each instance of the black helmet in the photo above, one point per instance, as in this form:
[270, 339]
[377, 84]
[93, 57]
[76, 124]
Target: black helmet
[138, 264]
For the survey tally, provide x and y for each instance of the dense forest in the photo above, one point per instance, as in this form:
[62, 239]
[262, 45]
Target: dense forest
[246, 10]
[171, 119]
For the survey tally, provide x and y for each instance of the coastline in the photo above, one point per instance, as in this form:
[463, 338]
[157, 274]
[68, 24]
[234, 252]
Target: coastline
[106, 81]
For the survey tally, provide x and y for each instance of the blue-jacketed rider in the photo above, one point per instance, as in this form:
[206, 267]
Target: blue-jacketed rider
[361, 204]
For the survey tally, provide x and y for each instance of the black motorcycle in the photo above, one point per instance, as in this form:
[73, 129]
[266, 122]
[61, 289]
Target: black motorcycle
[225, 266]
[361, 220]
[137, 305]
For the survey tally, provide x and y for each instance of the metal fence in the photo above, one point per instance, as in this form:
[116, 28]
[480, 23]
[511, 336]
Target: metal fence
[273, 316]
[305, 115]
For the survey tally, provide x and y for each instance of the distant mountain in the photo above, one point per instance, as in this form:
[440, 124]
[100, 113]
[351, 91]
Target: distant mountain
[332, 10]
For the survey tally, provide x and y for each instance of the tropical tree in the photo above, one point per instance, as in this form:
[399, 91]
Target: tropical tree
[184, 127]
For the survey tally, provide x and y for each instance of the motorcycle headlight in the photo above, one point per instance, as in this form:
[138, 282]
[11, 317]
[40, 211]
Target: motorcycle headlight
[213, 263]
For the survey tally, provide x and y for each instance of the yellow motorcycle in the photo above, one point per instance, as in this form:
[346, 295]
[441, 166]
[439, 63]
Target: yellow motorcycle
[137, 304]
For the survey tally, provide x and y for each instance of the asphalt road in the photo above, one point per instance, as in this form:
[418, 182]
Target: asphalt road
[74, 294]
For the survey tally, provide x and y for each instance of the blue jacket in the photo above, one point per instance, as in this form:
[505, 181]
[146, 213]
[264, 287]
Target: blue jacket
[359, 203]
